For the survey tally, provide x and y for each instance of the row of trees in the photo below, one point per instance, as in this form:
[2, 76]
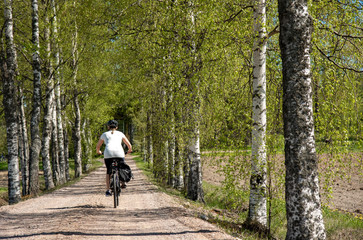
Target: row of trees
[191, 75]
[49, 64]
[207, 73]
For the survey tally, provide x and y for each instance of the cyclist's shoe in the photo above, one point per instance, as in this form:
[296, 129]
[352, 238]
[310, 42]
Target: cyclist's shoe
[123, 185]
[108, 193]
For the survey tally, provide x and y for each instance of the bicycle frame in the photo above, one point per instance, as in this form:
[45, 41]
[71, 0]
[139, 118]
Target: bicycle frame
[115, 182]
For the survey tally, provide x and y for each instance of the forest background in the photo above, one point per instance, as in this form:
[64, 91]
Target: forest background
[132, 61]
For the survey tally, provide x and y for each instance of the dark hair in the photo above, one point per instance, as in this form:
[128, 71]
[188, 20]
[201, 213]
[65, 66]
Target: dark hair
[112, 124]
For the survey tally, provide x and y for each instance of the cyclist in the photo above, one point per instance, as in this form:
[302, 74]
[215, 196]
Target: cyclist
[113, 140]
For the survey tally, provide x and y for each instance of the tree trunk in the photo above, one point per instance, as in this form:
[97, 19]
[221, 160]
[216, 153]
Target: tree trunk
[195, 190]
[303, 207]
[36, 142]
[194, 184]
[54, 145]
[149, 142]
[47, 134]
[87, 142]
[66, 153]
[257, 213]
[77, 138]
[23, 146]
[9, 72]
[171, 154]
[77, 110]
[194, 168]
[47, 119]
[179, 164]
[58, 109]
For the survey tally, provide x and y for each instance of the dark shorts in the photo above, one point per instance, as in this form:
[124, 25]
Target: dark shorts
[108, 163]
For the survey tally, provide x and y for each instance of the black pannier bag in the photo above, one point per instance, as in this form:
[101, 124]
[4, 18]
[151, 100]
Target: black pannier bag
[125, 173]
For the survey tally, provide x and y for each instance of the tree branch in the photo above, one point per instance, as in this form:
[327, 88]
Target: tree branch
[339, 34]
[24, 55]
[276, 30]
[335, 63]
[233, 16]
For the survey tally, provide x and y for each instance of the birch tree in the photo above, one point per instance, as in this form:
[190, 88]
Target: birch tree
[303, 207]
[194, 187]
[57, 92]
[36, 143]
[23, 145]
[257, 206]
[9, 72]
[76, 104]
[47, 119]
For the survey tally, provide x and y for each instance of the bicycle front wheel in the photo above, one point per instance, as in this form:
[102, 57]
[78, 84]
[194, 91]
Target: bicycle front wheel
[115, 190]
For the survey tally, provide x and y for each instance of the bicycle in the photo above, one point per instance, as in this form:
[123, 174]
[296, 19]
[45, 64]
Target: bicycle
[121, 172]
[115, 182]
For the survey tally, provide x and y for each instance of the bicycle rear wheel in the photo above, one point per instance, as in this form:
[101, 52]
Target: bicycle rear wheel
[115, 190]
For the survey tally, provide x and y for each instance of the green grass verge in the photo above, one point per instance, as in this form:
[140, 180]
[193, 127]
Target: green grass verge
[3, 190]
[337, 224]
[3, 166]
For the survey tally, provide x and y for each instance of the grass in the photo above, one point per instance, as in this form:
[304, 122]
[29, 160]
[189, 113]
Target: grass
[337, 223]
[229, 210]
[352, 146]
[3, 166]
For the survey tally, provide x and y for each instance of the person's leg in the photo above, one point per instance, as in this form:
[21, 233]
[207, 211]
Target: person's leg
[108, 163]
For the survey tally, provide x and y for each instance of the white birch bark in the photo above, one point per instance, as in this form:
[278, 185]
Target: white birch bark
[171, 154]
[9, 72]
[54, 139]
[66, 148]
[194, 186]
[303, 204]
[257, 204]
[77, 111]
[36, 142]
[87, 142]
[143, 147]
[179, 177]
[77, 137]
[23, 146]
[66, 151]
[59, 122]
[195, 190]
[149, 140]
[47, 118]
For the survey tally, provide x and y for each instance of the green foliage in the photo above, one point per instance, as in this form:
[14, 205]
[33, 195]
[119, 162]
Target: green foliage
[3, 190]
[3, 166]
[149, 61]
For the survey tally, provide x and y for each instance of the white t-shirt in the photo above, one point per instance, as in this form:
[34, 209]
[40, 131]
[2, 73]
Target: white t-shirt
[113, 142]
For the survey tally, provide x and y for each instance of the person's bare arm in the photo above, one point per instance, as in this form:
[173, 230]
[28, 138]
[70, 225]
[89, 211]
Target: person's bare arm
[98, 147]
[128, 144]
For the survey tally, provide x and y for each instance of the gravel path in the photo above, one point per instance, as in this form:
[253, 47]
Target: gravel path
[81, 211]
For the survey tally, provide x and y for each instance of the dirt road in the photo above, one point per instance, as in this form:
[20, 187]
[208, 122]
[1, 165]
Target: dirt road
[81, 211]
